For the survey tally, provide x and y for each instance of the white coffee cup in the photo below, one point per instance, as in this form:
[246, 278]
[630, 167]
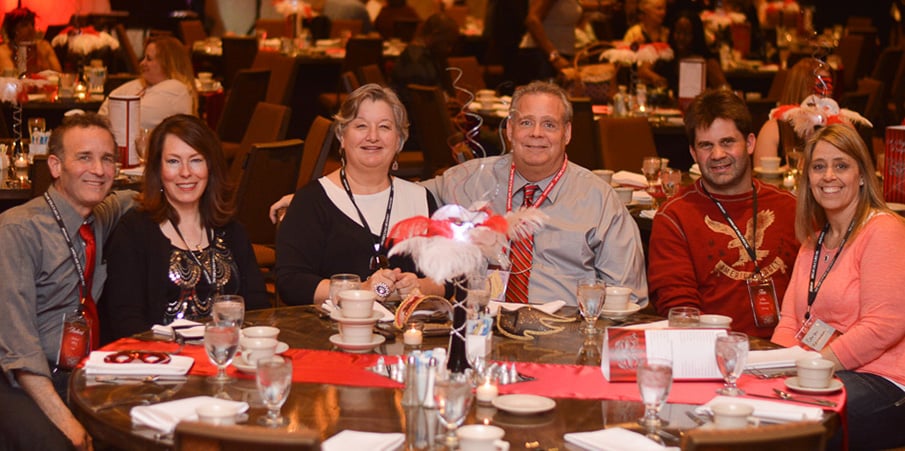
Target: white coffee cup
[605, 174]
[254, 349]
[770, 163]
[217, 413]
[356, 333]
[205, 76]
[617, 298]
[814, 373]
[731, 415]
[715, 321]
[356, 304]
[624, 193]
[261, 332]
[481, 437]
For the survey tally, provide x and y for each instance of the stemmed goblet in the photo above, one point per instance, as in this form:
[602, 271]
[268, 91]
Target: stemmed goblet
[274, 379]
[670, 179]
[141, 144]
[591, 296]
[228, 308]
[654, 382]
[221, 341]
[650, 167]
[453, 399]
[731, 355]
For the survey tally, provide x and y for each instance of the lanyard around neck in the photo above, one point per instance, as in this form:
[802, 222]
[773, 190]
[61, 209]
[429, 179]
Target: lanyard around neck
[212, 277]
[752, 253]
[379, 261]
[812, 287]
[83, 286]
[543, 195]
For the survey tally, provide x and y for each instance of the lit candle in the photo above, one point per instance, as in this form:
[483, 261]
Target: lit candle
[487, 391]
[413, 335]
[789, 181]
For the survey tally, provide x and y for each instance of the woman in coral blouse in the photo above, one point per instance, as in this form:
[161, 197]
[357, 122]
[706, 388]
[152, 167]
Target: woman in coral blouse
[847, 283]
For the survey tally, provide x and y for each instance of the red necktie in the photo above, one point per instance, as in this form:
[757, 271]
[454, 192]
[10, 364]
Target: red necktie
[521, 255]
[89, 308]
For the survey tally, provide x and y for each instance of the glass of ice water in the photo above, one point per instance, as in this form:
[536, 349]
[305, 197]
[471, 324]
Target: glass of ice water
[274, 379]
[221, 341]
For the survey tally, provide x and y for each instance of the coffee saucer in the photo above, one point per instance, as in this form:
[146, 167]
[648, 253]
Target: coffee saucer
[619, 314]
[771, 172]
[792, 383]
[338, 317]
[376, 340]
[240, 364]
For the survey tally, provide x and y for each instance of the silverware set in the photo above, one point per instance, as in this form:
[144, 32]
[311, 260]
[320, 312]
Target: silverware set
[783, 395]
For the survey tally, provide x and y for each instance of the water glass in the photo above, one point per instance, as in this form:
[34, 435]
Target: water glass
[478, 294]
[731, 355]
[343, 282]
[684, 317]
[221, 341]
[274, 379]
[35, 125]
[453, 399]
[650, 167]
[228, 308]
[141, 144]
[670, 180]
[591, 297]
[654, 382]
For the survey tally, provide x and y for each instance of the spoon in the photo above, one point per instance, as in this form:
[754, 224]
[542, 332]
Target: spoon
[806, 399]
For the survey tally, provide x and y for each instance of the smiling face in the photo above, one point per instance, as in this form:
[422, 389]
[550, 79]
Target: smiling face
[539, 135]
[835, 180]
[654, 11]
[723, 154]
[371, 140]
[183, 174]
[83, 172]
[151, 69]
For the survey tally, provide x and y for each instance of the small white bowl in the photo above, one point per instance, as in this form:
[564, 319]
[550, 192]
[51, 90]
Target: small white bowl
[715, 321]
[217, 413]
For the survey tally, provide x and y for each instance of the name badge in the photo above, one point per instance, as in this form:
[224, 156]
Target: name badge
[815, 334]
[762, 295]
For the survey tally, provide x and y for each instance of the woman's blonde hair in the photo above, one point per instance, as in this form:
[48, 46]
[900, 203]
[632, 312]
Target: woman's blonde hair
[175, 62]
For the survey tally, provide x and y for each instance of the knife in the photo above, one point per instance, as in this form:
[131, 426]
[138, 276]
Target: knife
[816, 402]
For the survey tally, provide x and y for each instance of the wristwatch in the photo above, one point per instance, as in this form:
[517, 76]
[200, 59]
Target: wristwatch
[554, 55]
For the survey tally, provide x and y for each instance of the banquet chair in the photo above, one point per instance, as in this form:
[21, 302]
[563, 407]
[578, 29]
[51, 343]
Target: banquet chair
[360, 51]
[318, 144]
[434, 127]
[798, 436]
[404, 29]
[896, 102]
[197, 436]
[40, 175]
[249, 89]
[624, 142]
[885, 68]
[191, 31]
[127, 52]
[472, 72]
[269, 122]
[330, 101]
[238, 53]
[371, 73]
[582, 149]
[283, 70]
[273, 28]
[852, 52]
[345, 28]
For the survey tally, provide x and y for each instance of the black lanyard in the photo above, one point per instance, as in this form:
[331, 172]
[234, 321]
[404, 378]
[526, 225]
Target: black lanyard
[379, 260]
[751, 251]
[83, 286]
[212, 277]
[812, 288]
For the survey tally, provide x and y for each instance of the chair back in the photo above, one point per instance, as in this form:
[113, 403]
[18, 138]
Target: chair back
[404, 29]
[271, 171]
[371, 73]
[283, 70]
[340, 28]
[318, 144]
[191, 30]
[885, 69]
[851, 51]
[129, 57]
[799, 436]
[350, 81]
[897, 94]
[472, 72]
[434, 127]
[582, 149]
[268, 123]
[777, 85]
[250, 87]
[195, 436]
[273, 28]
[361, 51]
[238, 53]
[624, 142]
[40, 175]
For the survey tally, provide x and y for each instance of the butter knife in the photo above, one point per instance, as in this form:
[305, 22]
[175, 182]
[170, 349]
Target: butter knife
[816, 402]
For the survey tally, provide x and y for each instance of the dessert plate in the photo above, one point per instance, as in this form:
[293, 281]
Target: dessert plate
[338, 317]
[792, 383]
[619, 314]
[523, 404]
[376, 340]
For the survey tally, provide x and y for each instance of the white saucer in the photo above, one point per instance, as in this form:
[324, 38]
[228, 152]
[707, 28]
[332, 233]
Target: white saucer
[618, 314]
[376, 340]
[240, 364]
[375, 316]
[282, 347]
[771, 173]
[792, 383]
[523, 404]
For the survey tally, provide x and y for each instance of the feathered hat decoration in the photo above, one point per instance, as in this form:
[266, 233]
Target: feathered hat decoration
[457, 241]
[631, 53]
[815, 112]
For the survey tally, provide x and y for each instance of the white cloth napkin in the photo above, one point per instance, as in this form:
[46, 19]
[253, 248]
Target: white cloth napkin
[164, 416]
[371, 441]
[630, 178]
[137, 171]
[642, 197]
[649, 214]
[614, 439]
[775, 411]
[778, 358]
[188, 329]
[178, 365]
[386, 315]
[547, 307]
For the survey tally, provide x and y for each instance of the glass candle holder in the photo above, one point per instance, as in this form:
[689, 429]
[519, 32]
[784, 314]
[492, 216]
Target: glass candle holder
[413, 334]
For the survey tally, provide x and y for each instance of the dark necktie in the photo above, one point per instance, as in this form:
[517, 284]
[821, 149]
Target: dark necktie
[89, 308]
[521, 255]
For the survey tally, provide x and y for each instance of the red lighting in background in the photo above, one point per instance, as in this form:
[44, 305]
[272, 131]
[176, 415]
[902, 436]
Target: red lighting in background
[51, 12]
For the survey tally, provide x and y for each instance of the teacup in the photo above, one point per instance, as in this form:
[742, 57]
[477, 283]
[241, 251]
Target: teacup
[814, 373]
[624, 193]
[605, 174]
[261, 332]
[217, 413]
[254, 349]
[617, 298]
[715, 321]
[770, 163]
[731, 415]
[356, 304]
[356, 333]
[481, 437]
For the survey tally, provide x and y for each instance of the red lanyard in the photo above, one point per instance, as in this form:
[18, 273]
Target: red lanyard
[543, 195]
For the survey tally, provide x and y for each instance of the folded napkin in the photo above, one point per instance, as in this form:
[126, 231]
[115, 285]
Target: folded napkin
[648, 214]
[642, 197]
[630, 178]
[164, 416]
[547, 307]
[773, 411]
[372, 441]
[186, 328]
[614, 439]
[378, 307]
[778, 358]
[178, 365]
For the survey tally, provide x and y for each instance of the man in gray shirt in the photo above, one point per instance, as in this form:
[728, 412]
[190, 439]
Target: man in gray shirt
[41, 267]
